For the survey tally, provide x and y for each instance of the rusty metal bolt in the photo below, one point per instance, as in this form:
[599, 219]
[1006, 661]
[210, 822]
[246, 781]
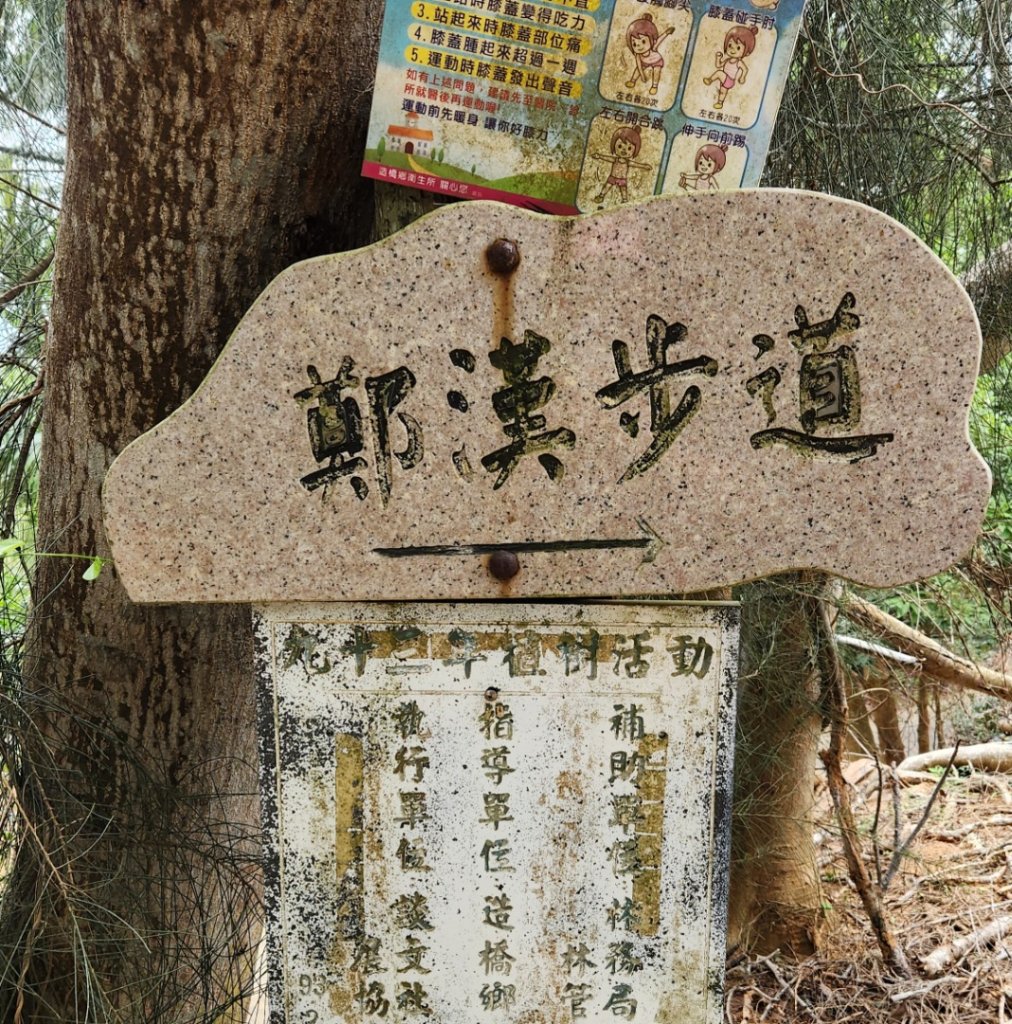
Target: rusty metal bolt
[492, 693]
[503, 565]
[503, 256]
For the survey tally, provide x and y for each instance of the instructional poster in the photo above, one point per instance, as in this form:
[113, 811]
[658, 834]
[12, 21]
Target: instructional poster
[571, 106]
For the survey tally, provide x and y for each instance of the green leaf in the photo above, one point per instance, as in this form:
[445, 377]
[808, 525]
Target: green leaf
[8, 545]
[94, 569]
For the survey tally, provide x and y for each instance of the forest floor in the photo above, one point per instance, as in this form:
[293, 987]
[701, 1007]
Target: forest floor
[949, 904]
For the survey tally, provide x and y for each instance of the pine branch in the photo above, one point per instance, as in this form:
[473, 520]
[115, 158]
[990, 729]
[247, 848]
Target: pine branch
[26, 192]
[29, 279]
[32, 154]
[8, 102]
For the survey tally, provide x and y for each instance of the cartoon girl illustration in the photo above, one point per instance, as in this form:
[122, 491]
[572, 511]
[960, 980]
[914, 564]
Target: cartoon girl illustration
[625, 145]
[731, 67]
[643, 40]
[710, 162]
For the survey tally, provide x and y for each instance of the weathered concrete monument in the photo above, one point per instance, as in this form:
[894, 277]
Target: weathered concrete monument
[495, 811]
[492, 791]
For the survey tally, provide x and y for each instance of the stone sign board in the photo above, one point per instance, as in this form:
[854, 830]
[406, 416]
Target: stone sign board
[661, 398]
[496, 812]
[481, 811]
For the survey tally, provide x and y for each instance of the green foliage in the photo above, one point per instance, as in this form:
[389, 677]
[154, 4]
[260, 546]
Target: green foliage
[10, 546]
[905, 105]
[94, 568]
[977, 720]
[32, 70]
[32, 96]
[991, 430]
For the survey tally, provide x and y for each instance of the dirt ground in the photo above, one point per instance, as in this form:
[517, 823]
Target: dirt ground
[951, 892]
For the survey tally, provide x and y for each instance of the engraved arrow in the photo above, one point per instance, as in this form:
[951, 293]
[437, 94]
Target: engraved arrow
[650, 543]
[654, 541]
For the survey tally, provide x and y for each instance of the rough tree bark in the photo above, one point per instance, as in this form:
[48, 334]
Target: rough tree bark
[775, 896]
[210, 144]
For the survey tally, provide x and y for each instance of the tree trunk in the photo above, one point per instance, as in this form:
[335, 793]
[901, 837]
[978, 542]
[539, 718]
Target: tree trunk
[861, 737]
[879, 692]
[924, 688]
[775, 895]
[210, 145]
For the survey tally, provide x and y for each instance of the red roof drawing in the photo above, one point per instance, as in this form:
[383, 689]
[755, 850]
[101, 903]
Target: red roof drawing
[410, 133]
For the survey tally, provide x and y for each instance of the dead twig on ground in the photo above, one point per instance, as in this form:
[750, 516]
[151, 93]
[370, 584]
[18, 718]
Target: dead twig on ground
[952, 952]
[921, 990]
[984, 783]
[955, 834]
[784, 984]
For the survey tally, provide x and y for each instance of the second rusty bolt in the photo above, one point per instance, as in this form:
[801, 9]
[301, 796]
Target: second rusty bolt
[503, 565]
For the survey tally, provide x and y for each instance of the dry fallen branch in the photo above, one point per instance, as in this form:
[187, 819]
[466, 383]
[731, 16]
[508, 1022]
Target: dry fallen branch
[936, 660]
[944, 956]
[799, 1000]
[962, 831]
[911, 993]
[907, 778]
[990, 879]
[861, 775]
[901, 848]
[989, 757]
[942, 878]
[992, 784]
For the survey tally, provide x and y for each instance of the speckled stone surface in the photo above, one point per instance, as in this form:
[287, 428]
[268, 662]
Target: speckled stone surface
[812, 362]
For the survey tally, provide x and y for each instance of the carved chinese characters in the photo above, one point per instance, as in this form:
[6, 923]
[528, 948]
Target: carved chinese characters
[665, 423]
[830, 389]
[525, 815]
[335, 427]
[658, 399]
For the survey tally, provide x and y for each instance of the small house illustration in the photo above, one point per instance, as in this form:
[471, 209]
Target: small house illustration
[408, 138]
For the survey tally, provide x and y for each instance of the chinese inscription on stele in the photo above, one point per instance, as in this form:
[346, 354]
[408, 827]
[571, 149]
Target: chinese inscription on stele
[496, 812]
[656, 399]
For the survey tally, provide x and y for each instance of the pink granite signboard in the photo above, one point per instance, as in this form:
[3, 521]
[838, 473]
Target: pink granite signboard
[661, 398]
